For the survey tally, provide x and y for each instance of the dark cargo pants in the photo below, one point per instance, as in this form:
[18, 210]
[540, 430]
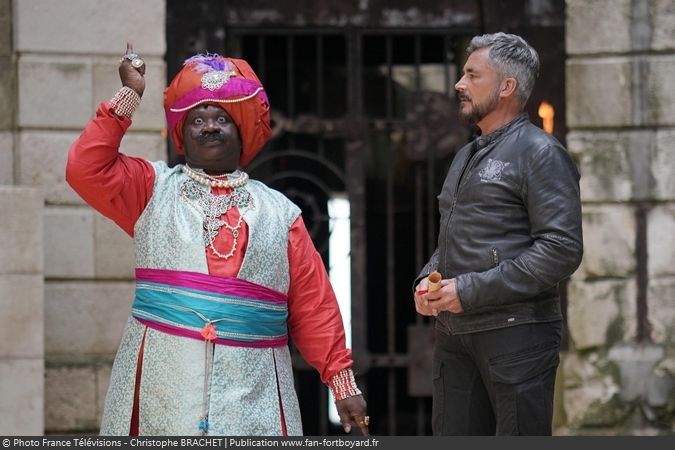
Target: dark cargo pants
[497, 382]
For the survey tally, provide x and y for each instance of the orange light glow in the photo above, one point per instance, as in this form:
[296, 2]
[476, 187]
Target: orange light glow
[546, 113]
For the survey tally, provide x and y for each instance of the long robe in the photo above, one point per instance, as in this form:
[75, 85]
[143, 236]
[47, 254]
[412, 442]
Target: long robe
[165, 393]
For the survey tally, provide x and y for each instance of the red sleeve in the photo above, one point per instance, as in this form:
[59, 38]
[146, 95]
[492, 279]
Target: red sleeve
[115, 185]
[314, 318]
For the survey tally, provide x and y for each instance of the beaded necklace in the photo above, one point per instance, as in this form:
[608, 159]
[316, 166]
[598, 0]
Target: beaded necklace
[212, 207]
[235, 179]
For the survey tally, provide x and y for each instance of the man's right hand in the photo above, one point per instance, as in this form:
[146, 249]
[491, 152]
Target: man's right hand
[131, 76]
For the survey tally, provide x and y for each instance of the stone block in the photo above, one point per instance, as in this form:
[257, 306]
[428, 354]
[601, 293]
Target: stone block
[661, 240]
[21, 397]
[662, 90]
[71, 398]
[69, 242]
[93, 26]
[609, 241]
[639, 382]
[150, 115]
[7, 92]
[42, 106]
[660, 311]
[86, 317]
[150, 146]
[592, 391]
[663, 25]
[7, 156]
[611, 305]
[5, 28]
[21, 252]
[603, 164]
[114, 250]
[600, 26]
[663, 165]
[598, 92]
[42, 156]
[22, 318]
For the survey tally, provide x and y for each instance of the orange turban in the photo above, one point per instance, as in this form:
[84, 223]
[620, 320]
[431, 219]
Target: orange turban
[225, 82]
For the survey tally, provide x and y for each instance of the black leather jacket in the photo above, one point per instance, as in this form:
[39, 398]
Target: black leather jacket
[510, 228]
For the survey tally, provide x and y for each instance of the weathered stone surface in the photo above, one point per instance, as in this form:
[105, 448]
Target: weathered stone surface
[43, 157]
[5, 28]
[71, 398]
[22, 253]
[598, 92]
[86, 317]
[7, 92]
[42, 106]
[599, 26]
[663, 20]
[663, 165]
[609, 241]
[662, 90]
[661, 236]
[612, 306]
[661, 312]
[22, 317]
[7, 156]
[114, 251]
[21, 397]
[93, 26]
[69, 242]
[604, 165]
[592, 392]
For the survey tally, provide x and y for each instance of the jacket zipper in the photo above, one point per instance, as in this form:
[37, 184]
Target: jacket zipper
[495, 256]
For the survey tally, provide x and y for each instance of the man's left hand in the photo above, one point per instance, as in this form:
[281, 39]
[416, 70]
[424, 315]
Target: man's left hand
[352, 412]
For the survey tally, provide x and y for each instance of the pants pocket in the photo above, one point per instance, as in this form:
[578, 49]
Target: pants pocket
[523, 382]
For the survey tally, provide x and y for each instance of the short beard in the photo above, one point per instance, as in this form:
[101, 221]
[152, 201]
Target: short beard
[478, 111]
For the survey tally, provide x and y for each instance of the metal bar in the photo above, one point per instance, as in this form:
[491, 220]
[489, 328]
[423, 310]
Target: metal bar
[419, 226]
[391, 272]
[290, 83]
[355, 186]
[261, 59]
[319, 89]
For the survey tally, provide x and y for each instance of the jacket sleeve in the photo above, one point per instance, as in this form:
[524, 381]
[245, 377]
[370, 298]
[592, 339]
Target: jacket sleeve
[115, 185]
[427, 269]
[551, 195]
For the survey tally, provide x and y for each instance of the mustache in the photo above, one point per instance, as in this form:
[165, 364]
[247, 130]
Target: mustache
[214, 135]
[464, 96]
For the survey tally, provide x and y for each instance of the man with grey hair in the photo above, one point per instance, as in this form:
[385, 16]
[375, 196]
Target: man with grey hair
[510, 232]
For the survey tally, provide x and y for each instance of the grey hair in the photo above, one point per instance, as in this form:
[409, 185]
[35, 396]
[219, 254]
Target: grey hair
[510, 57]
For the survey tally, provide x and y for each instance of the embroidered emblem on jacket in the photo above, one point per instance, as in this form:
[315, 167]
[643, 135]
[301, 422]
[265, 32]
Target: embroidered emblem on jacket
[493, 170]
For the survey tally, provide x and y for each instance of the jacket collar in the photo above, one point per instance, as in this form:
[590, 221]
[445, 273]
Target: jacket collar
[481, 142]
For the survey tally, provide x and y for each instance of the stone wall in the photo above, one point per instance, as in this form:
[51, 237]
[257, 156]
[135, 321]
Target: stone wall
[619, 376]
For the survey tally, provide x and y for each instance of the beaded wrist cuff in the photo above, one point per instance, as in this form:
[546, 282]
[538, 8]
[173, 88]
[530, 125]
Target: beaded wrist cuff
[343, 385]
[125, 102]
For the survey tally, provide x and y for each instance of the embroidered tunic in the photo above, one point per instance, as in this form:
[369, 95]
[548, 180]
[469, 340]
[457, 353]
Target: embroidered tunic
[242, 379]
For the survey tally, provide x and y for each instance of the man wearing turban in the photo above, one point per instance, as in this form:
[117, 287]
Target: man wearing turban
[225, 268]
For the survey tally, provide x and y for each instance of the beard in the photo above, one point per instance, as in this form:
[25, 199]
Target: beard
[478, 111]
